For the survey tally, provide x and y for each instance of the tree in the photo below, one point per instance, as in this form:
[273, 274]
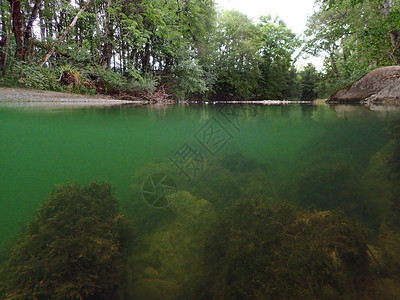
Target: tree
[23, 35]
[64, 34]
[237, 56]
[309, 82]
[355, 36]
[277, 49]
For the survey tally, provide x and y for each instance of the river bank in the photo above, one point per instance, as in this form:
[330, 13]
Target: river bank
[15, 96]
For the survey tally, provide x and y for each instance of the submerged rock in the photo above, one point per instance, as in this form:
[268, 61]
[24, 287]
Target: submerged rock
[377, 85]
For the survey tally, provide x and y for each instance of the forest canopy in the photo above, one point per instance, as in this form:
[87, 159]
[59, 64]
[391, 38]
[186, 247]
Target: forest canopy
[190, 49]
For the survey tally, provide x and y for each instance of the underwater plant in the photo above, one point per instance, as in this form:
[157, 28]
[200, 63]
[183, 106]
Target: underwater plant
[389, 231]
[328, 182]
[278, 252]
[230, 178]
[166, 262]
[72, 249]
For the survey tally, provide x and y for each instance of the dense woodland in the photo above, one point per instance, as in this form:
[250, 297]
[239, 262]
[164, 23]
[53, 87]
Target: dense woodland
[190, 49]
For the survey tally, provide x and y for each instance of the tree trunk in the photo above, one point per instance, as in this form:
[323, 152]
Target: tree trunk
[393, 33]
[64, 34]
[23, 39]
[28, 43]
[3, 38]
[105, 60]
[146, 58]
[16, 16]
[343, 50]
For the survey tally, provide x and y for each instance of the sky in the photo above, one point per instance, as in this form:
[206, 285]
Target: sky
[293, 12]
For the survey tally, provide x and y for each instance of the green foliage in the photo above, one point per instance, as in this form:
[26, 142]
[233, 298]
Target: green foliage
[189, 75]
[310, 79]
[32, 76]
[73, 248]
[237, 55]
[278, 252]
[355, 37]
[278, 81]
[254, 61]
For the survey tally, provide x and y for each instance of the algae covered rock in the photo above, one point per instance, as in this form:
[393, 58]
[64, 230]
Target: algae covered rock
[278, 252]
[73, 248]
[168, 260]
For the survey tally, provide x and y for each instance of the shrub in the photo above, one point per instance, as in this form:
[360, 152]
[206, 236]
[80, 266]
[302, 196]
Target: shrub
[33, 76]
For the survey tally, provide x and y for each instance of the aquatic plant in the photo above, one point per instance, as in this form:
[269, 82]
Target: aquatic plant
[330, 181]
[149, 218]
[389, 231]
[230, 178]
[72, 249]
[167, 261]
[278, 252]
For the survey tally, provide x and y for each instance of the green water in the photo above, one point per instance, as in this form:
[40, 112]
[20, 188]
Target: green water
[44, 147]
[41, 148]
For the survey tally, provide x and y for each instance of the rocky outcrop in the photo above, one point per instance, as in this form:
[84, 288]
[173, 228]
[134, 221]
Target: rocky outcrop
[378, 85]
[389, 93]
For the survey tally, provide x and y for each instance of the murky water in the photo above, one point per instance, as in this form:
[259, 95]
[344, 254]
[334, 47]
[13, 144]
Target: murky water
[316, 157]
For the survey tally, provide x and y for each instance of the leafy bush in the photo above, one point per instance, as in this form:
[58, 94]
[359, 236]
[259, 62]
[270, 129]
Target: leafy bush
[33, 76]
[72, 249]
[146, 84]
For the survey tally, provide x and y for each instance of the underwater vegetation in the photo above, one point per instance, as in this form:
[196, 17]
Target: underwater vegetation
[167, 262]
[228, 234]
[328, 182]
[230, 178]
[149, 218]
[278, 252]
[389, 231]
[72, 249]
[394, 131]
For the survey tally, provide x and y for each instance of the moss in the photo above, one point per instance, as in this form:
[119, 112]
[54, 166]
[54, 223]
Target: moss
[278, 252]
[73, 248]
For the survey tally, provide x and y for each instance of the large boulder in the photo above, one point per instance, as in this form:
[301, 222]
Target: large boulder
[377, 85]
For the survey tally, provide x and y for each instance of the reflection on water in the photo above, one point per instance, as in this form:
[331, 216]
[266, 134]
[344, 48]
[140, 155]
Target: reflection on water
[227, 202]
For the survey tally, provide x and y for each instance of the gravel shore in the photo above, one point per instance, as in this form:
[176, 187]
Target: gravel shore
[18, 97]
